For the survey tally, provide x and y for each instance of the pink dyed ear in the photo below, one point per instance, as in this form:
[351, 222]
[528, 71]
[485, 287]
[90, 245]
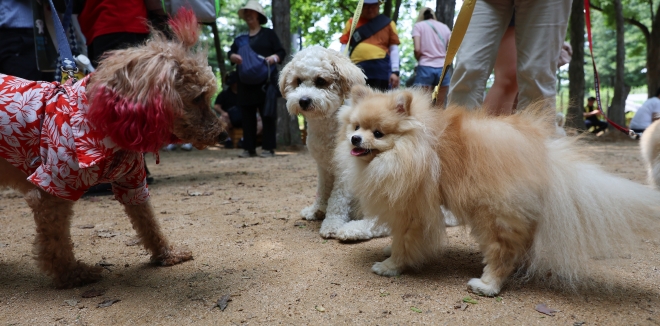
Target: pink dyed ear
[184, 25]
[139, 127]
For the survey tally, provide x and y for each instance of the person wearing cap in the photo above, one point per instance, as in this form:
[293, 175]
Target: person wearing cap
[374, 46]
[252, 98]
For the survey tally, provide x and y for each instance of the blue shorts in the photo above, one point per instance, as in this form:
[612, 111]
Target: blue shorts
[430, 76]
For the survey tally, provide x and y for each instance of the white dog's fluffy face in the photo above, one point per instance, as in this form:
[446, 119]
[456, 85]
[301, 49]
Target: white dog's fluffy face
[316, 82]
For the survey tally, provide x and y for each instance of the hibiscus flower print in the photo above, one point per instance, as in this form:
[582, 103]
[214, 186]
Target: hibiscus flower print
[24, 106]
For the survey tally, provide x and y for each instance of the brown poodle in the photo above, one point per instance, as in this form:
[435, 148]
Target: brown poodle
[56, 140]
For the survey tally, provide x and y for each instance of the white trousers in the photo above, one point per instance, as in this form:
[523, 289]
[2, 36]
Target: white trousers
[540, 32]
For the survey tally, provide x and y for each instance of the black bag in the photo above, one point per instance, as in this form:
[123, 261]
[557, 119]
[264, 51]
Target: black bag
[272, 94]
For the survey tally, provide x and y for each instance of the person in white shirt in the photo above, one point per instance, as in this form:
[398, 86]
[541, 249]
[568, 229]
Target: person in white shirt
[646, 114]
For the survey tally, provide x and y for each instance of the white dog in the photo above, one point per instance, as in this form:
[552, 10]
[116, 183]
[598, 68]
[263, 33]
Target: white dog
[315, 84]
[650, 146]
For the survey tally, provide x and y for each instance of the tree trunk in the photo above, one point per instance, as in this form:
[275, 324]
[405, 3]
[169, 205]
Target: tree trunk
[387, 8]
[395, 15]
[574, 118]
[616, 110]
[287, 131]
[220, 55]
[652, 55]
[444, 11]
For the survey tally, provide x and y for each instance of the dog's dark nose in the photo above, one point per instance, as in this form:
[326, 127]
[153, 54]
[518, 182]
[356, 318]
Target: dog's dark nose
[305, 102]
[223, 136]
[356, 140]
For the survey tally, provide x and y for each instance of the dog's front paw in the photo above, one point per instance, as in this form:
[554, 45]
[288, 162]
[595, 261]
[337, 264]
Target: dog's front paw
[476, 285]
[330, 228]
[312, 213]
[172, 256]
[386, 268]
[78, 275]
[361, 230]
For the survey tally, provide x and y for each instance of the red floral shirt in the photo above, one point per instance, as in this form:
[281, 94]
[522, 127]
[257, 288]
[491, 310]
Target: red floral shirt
[44, 132]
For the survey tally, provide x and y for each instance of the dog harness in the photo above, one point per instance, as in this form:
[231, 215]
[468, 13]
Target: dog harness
[44, 132]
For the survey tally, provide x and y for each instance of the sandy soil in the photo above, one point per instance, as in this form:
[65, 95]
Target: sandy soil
[240, 217]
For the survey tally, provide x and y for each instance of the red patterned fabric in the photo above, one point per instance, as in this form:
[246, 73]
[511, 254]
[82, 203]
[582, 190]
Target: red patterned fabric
[44, 132]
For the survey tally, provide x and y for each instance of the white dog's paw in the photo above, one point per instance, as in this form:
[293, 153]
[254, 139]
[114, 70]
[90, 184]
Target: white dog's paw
[386, 268]
[330, 227]
[312, 213]
[477, 286]
[388, 250]
[360, 230]
[450, 218]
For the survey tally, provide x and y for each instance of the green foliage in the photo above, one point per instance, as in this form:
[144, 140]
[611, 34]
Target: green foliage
[305, 14]
[604, 42]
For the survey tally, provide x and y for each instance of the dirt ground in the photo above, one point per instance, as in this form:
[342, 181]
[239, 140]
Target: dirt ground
[240, 217]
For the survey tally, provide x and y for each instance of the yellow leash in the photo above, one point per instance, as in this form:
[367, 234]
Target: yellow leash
[356, 16]
[462, 22]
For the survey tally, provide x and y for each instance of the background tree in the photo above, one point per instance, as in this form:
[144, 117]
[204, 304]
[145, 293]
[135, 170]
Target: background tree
[444, 11]
[616, 110]
[288, 132]
[576, 67]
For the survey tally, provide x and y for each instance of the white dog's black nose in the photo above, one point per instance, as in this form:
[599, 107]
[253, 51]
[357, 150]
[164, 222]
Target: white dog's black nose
[305, 102]
[356, 140]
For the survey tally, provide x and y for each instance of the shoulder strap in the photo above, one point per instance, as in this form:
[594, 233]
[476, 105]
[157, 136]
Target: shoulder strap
[367, 30]
[442, 40]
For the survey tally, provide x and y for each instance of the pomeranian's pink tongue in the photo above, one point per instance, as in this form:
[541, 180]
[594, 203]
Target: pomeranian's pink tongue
[357, 151]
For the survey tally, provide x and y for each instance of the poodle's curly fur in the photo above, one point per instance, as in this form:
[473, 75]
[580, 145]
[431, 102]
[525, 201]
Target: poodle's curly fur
[315, 84]
[143, 98]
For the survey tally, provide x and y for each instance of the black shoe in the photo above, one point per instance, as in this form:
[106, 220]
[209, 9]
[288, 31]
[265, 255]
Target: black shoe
[229, 143]
[240, 143]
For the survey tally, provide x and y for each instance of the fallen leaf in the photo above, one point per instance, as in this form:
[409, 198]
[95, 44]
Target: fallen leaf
[579, 323]
[222, 302]
[72, 302]
[319, 308]
[86, 226]
[300, 224]
[93, 293]
[108, 303]
[498, 299]
[415, 309]
[542, 308]
[470, 300]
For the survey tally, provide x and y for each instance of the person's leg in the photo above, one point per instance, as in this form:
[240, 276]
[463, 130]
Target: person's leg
[113, 41]
[502, 95]
[269, 133]
[378, 84]
[476, 56]
[249, 116]
[540, 32]
[17, 54]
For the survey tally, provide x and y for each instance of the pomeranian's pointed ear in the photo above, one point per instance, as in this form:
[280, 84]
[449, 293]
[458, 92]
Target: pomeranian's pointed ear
[185, 28]
[359, 92]
[403, 101]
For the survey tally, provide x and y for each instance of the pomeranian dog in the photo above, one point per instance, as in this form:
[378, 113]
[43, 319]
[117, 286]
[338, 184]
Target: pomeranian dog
[315, 84]
[529, 199]
[649, 143]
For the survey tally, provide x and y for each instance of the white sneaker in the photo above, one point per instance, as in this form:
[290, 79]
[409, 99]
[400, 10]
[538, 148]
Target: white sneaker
[187, 147]
[170, 147]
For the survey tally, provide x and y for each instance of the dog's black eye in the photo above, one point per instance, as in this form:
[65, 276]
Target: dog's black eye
[320, 82]
[378, 134]
[357, 127]
[299, 81]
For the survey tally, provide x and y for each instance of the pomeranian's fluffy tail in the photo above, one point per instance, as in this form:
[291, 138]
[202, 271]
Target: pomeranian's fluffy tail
[588, 213]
